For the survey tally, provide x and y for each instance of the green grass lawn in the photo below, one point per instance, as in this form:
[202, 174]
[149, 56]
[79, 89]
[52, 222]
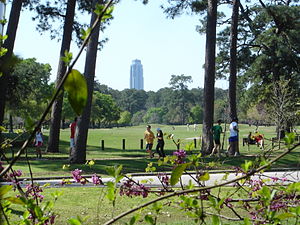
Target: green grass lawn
[97, 209]
[135, 159]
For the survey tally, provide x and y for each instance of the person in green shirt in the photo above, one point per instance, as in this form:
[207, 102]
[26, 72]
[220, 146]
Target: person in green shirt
[217, 130]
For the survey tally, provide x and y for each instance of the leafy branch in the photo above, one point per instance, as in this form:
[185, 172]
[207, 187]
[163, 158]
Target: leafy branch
[178, 193]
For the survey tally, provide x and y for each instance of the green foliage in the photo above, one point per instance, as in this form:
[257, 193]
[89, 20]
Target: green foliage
[67, 58]
[204, 177]
[28, 88]
[85, 33]
[76, 87]
[177, 172]
[150, 168]
[247, 166]
[3, 51]
[289, 139]
[77, 221]
[29, 124]
[192, 207]
[133, 219]
[216, 220]
[104, 109]
[125, 118]
[115, 172]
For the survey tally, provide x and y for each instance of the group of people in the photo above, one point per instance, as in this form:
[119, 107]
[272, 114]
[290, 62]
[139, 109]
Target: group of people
[233, 148]
[149, 137]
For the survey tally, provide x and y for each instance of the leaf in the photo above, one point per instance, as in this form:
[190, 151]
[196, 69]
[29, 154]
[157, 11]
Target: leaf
[247, 165]
[177, 172]
[67, 58]
[247, 221]
[15, 200]
[216, 220]
[3, 51]
[98, 9]
[204, 177]
[293, 187]
[108, 14]
[38, 212]
[284, 216]
[2, 129]
[4, 189]
[85, 33]
[76, 87]
[110, 191]
[289, 138]
[134, 219]
[149, 219]
[74, 221]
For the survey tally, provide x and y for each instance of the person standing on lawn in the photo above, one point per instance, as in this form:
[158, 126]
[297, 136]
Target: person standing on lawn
[72, 136]
[160, 143]
[149, 137]
[217, 130]
[38, 143]
[233, 148]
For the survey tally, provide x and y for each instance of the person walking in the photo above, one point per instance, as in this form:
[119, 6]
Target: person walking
[217, 130]
[149, 137]
[38, 143]
[233, 148]
[160, 143]
[72, 136]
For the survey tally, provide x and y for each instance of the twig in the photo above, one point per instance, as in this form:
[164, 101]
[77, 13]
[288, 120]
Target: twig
[5, 216]
[250, 173]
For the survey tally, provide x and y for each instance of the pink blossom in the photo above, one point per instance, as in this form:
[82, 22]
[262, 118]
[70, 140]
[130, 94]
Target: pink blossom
[96, 180]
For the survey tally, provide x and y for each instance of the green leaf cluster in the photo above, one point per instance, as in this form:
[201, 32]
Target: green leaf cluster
[76, 87]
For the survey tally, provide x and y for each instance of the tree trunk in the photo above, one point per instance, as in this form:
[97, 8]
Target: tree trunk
[9, 45]
[11, 125]
[209, 77]
[233, 60]
[79, 154]
[53, 143]
[233, 66]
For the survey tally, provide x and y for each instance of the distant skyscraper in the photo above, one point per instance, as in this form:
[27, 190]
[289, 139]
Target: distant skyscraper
[136, 75]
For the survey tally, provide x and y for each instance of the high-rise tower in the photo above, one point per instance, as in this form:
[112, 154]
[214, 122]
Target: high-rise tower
[136, 75]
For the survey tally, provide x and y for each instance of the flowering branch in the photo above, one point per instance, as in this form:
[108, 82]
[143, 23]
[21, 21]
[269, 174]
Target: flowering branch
[177, 193]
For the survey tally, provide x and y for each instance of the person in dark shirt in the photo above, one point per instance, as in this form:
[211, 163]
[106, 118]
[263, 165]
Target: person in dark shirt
[160, 143]
[217, 130]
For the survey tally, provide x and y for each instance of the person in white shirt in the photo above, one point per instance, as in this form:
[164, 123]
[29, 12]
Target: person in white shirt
[38, 143]
[233, 148]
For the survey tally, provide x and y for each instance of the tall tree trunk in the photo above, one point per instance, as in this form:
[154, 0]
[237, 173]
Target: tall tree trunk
[209, 77]
[233, 66]
[53, 143]
[79, 153]
[9, 43]
[11, 125]
[233, 60]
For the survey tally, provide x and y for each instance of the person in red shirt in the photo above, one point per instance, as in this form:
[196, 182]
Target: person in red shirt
[72, 137]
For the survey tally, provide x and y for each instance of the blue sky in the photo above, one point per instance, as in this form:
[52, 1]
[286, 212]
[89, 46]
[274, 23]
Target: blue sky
[138, 31]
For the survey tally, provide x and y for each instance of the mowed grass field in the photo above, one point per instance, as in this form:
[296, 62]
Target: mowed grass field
[133, 158]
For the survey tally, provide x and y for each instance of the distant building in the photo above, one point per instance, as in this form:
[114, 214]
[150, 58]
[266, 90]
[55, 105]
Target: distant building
[136, 75]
